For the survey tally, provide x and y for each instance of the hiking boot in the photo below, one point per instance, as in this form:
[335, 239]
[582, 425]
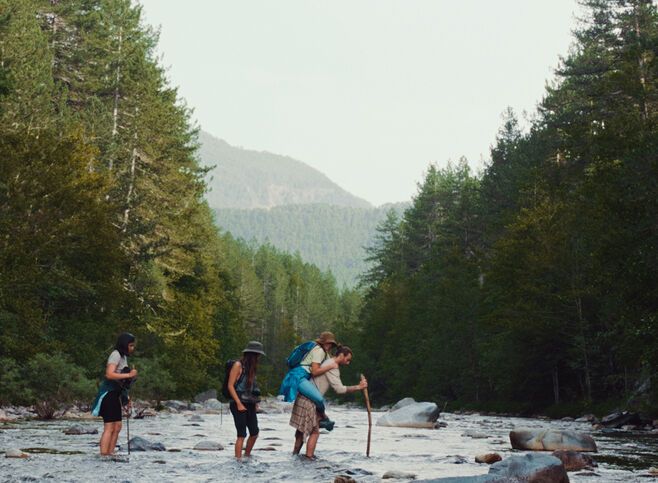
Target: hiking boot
[327, 424]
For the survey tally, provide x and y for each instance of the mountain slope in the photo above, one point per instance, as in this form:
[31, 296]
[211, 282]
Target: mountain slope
[331, 237]
[257, 179]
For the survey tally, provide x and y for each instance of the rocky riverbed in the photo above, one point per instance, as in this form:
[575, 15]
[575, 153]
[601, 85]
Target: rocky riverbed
[400, 452]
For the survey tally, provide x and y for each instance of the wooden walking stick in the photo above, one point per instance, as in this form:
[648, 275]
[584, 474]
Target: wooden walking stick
[365, 395]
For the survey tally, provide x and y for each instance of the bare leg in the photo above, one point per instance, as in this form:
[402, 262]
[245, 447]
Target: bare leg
[311, 443]
[299, 442]
[115, 436]
[251, 441]
[106, 439]
[238, 447]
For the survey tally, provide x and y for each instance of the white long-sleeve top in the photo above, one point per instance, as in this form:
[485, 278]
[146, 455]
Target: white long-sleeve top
[329, 379]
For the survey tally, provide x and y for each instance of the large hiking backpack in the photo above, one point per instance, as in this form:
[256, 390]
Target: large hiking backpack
[227, 370]
[298, 353]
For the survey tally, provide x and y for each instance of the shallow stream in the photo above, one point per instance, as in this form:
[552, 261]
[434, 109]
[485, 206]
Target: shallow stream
[448, 451]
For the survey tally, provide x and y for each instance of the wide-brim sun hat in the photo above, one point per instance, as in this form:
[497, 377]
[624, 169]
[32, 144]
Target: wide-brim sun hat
[326, 338]
[254, 346]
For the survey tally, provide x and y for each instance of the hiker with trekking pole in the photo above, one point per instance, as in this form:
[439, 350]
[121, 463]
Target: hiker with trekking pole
[305, 418]
[113, 392]
[307, 360]
[241, 389]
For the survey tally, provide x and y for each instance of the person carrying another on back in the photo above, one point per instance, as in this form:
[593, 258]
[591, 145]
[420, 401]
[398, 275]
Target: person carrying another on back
[306, 361]
[245, 395]
[113, 392]
[304, 417]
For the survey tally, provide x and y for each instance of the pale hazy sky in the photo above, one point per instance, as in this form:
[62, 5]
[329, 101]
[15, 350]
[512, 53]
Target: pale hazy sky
[367, 91]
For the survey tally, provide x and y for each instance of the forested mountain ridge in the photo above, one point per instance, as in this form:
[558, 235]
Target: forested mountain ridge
[269, 198]
[534, 284]
[105, 227]
[332, 237]
[244, 178]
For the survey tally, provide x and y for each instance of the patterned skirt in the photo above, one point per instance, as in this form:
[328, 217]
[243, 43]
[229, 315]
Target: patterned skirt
[304, 417]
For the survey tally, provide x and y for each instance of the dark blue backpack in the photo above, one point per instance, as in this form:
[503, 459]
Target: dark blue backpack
[227, 370]
[298, 353]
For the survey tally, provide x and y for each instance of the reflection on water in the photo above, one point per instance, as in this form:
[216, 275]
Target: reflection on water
[426, 453]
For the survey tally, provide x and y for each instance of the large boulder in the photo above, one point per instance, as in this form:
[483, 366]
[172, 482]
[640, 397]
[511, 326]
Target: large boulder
[624, 418]
[550, 440]
[402, 403]
[531, 468]
[204, 396]
[411, 414]
[140, 444]
[176, 405]
[574, 460]
[212, 404]
[274, 406]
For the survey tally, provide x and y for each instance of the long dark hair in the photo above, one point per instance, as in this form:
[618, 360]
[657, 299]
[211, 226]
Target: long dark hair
[123, 341]
[249, 366]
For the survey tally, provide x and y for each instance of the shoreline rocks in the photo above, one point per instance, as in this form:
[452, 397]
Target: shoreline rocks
[551, 440]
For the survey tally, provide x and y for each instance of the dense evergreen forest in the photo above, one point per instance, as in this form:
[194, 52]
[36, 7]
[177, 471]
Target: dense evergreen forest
[535, 284]
[104, 224]
[332, 237]
[529, 287]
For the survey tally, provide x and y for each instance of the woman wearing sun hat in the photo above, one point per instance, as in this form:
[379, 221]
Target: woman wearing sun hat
[244, 396]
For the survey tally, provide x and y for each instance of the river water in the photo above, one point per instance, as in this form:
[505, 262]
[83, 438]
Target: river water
[448, 451]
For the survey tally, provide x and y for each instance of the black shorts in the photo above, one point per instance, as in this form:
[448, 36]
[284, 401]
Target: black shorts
[111, 407]
[245, 419]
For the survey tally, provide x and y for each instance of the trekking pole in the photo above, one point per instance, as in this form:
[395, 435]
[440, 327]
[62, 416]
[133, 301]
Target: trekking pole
[365, 395]
[128, 425]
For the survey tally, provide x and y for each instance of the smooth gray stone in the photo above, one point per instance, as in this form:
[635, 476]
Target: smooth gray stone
[414, 415]
[534, 439]
[205, 395]
[141, 444]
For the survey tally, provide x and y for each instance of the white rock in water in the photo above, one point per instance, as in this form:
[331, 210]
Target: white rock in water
[15, 453]
[550, 440]
[398, 475]
[402, 403]
[212, 404]
[414, 415]
[208, 446]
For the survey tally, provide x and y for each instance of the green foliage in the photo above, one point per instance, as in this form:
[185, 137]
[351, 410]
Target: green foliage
[535, 282]
[12, 383]
[103, 219]
[154, 383]
[53, 380]
[331, 237]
